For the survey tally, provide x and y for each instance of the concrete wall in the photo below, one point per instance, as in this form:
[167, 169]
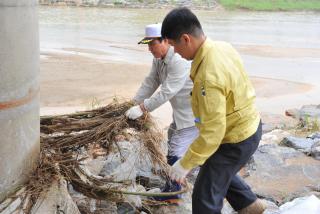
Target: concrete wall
[19, 92]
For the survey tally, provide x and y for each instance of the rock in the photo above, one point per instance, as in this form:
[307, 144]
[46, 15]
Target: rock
[315, 136]
[9, 206]
[103, 207]
[309, 145]
[312, 111]
[302, 144]
[274, 137]
[55, 200]
[315, 150]
[310, 205]
[278, 172]
[294, 113]
[89, 205]
[125, 208]
[307, 113]
[277, 121]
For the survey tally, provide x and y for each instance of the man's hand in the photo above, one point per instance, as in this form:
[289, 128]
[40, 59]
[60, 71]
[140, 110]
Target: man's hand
[178, 173]
[134, 112]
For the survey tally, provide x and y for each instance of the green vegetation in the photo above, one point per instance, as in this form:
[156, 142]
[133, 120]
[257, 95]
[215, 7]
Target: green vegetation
[272, 5]
[307, 126]
[311, 124]
[94, 103]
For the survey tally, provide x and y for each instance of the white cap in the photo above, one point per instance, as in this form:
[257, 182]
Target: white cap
[151, 32]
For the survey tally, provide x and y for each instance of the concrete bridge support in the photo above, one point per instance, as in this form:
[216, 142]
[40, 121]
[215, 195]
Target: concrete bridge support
[19, 92]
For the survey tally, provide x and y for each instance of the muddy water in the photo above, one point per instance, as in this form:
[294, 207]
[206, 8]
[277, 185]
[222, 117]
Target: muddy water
[277, 45]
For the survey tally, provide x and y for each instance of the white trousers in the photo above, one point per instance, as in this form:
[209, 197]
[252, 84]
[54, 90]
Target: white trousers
[180, 140]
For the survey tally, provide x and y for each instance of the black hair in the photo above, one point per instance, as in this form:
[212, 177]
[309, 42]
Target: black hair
[180, 21]
[160, 39]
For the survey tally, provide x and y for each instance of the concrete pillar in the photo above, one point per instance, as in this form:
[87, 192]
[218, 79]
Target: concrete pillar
[19, 92]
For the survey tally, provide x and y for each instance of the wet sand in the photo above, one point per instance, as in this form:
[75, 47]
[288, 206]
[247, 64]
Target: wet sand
[73, 82]
[278, 52]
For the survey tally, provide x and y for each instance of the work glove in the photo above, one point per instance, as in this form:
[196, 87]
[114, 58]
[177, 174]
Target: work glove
[134, 112]
[178, 173]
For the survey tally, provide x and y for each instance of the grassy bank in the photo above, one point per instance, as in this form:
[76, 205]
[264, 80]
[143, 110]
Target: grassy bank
[272, 5]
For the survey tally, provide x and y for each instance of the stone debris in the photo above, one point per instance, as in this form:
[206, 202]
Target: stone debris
[274, 137]
[310, 205]
[309, 145]
[278, 174]
[315, 136]
[315, 150]
[309, 115]
[56, 200]
[302, 144]
[276, 121]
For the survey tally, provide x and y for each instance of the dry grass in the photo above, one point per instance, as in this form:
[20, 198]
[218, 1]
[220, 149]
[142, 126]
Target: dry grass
[63, 139]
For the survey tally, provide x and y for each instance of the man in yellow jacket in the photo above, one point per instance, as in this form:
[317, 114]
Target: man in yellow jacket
[223, 103]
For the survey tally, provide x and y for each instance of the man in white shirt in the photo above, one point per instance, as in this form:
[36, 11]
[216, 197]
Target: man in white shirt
[170, 72]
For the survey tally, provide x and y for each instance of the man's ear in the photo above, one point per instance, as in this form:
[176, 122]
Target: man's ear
[186, 38]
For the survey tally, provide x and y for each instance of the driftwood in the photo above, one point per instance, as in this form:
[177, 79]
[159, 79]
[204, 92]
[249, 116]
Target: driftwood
[64, 137]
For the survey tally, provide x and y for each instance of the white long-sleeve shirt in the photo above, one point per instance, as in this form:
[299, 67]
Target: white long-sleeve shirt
[172, 73]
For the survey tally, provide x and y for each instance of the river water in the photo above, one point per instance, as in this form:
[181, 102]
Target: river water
[292, 38]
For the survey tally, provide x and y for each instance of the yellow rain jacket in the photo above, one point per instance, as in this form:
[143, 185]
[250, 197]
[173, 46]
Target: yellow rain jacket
[223, 101]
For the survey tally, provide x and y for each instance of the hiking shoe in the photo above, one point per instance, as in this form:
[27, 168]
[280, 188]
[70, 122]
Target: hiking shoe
[256, 207]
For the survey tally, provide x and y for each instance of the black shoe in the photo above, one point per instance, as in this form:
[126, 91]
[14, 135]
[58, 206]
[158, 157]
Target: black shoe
[171, 186]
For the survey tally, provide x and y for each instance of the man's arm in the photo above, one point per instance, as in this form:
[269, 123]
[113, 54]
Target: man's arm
[212, 125]
[149, 85]
[176, 78]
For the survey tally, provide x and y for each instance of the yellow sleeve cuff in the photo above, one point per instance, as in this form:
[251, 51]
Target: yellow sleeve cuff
[186, 161]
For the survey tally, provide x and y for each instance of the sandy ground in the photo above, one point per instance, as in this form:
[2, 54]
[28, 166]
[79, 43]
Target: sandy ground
[279, 52]
[71, 82]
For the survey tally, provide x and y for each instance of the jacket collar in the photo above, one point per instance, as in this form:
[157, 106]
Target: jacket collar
[169, 55]
[201, 53]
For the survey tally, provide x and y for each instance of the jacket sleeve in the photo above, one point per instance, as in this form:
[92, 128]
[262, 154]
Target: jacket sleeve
[176, 79]
[211, 102]
[149, 85]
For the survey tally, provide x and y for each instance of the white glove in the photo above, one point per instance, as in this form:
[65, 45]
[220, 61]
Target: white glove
[178, 173]
[134, 112]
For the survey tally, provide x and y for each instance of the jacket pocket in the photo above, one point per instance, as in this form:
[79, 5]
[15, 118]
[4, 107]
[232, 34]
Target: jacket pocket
[211, 100]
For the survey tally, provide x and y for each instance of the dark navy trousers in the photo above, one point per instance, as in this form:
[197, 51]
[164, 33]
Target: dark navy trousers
[218, 178]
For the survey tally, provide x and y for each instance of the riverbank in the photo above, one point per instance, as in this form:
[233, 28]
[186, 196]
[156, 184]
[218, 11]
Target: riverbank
[263, 5]
[72, 82]
[161, 4]
[87, 59]
[268, 5]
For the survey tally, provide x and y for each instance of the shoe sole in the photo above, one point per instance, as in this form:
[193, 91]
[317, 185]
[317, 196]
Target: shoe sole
[173, 201]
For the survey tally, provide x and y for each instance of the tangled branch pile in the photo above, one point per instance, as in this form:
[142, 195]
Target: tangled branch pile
[65, 137]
